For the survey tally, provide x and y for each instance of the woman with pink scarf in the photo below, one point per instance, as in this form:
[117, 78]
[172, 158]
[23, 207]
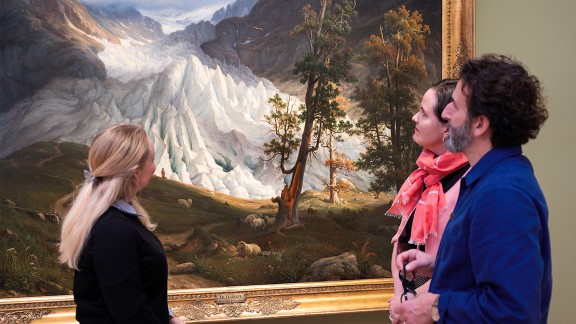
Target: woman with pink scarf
[427, 198]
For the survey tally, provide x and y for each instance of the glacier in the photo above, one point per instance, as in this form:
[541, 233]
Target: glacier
[205, 117]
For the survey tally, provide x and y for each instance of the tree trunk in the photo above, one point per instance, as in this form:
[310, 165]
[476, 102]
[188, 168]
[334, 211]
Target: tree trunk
[282, 220]
[294, 192]
[337, 200]
[282, 215]
[332, 181]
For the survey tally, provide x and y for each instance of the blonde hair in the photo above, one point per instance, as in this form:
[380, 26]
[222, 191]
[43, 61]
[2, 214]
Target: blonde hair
[115, 154]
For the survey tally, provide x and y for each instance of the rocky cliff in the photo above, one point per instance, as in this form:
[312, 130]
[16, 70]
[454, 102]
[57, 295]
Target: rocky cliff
[261, 40]
[37, 45]
[240, 8]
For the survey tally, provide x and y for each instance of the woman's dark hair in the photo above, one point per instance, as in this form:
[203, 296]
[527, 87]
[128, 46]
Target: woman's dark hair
[444, 89]
[502, 90]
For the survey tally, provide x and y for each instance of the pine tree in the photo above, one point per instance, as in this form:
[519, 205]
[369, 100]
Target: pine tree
[324, 66]
[388, 101]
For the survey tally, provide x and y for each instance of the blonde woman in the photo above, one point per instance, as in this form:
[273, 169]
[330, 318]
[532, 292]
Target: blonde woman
[120, 268]
[427, 198]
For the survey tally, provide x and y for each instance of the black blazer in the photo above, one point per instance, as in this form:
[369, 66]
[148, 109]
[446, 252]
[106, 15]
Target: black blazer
[123, 275]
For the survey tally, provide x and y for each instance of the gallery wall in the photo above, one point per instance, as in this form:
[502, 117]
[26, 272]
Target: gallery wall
[540, 34]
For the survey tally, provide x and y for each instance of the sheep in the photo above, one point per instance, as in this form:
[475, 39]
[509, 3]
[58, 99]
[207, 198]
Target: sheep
[257, 223]
[41, 217]
[311, 211]
[53, 218]
[183, 203]
[247, 249]
[270, 221]
[189, 201]
[250, 217]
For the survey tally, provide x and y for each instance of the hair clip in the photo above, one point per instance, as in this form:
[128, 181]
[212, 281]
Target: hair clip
[89, 178]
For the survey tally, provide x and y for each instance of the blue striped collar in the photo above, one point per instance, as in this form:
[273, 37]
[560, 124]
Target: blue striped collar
[125, 207]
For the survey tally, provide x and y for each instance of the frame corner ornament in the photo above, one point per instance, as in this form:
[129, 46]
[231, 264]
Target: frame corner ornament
[23, 316]
[458, 35]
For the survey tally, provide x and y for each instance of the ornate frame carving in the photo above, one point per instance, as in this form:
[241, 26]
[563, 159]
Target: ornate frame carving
[278, 300]
[458, 35]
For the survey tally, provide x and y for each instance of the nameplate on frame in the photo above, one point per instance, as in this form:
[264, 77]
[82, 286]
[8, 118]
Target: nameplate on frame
[230, 298]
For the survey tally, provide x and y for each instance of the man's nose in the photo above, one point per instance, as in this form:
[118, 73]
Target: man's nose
[447, 113]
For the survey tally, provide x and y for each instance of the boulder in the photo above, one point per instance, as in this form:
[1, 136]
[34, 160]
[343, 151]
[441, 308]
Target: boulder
[341, 267]
[376, 271]
[183, 268]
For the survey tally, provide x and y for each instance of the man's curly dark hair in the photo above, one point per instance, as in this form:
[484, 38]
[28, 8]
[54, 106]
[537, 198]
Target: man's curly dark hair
[502, 90]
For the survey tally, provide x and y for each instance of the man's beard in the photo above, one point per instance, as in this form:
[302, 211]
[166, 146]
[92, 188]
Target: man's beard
[458, 137]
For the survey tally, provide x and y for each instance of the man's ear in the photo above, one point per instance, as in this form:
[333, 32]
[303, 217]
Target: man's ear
[480, 126]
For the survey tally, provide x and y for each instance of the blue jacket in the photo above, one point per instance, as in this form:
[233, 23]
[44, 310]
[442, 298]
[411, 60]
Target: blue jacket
[493, 263]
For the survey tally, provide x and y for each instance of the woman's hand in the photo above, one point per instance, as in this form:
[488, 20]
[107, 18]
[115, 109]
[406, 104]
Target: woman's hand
[176, 320]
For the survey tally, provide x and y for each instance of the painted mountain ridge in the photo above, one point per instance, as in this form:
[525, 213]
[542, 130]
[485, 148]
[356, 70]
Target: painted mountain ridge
[261, 40]
[46, 39]
[240, 8]
[126, 22]
[38, 43]
[205, 116]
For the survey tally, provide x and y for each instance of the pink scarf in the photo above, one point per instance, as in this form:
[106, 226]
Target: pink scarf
[430, 202]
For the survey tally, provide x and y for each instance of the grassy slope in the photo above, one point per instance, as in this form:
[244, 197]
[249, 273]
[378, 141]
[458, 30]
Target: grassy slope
[38, 176]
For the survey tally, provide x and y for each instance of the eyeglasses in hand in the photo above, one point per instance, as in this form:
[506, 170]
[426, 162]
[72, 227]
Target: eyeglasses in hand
[408, 285]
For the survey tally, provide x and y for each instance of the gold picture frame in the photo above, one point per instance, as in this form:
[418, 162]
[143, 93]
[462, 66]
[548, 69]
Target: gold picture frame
[275, 300]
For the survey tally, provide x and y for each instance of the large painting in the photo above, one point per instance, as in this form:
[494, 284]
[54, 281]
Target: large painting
[265, 196]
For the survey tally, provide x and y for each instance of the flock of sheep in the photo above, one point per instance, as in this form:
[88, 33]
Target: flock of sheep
[255, 221]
